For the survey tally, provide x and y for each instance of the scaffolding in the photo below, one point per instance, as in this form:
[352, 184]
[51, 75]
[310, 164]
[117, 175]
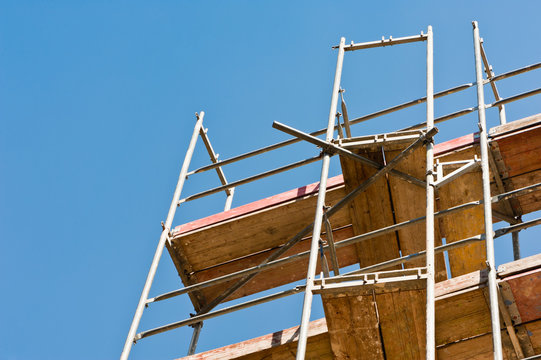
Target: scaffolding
[370, 279]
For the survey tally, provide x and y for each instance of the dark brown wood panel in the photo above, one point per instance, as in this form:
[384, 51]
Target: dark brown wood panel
[353, 327]
[461, 225]
[277, 276]
[409, 202]
[370, 210]
[403, 323]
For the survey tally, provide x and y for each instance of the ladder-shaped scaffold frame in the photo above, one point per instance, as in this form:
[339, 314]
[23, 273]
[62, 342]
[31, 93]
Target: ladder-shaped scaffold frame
[323, 214]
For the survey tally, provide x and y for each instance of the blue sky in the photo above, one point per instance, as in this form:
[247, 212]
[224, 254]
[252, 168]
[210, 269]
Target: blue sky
[97, 103]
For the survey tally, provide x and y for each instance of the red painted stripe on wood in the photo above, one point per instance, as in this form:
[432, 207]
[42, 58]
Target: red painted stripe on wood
[257, 205]
[455, 144]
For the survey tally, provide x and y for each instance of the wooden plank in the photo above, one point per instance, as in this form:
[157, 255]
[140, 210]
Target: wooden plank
[525, 341]
[533, 330]
[466, 188]
[255, 206]
[526, 288]
[509, 301]
[353, 327]
[403, 323]
[530, 202]
[277, 276]
[274, 343]
[249, 234]
[515, 125]
[345, 289]
[508, 322]
[462, 316]
[477, 348]
[184, 271]
[456, 144]
[409, 202]
[370, 210]
[521, 151]
[518, 266]
[460, 283]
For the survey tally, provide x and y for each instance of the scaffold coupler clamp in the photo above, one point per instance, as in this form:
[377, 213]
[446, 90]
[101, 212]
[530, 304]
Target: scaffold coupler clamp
[200, 324]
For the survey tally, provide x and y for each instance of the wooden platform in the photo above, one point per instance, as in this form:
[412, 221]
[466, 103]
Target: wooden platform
[242, 237]
[365, 326]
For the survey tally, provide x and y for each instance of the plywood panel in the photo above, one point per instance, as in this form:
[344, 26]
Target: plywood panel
[370, 210]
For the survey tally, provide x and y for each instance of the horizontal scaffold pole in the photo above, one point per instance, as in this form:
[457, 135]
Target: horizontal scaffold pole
[199, 318]
[250, 179]
[451, 246]
[367, 117]
[472, 109]
[384, 42]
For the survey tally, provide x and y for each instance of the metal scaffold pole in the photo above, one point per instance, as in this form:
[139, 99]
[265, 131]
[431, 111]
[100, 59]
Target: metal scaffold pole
[492, 285]
[430, 297]
[308, 295]
[163, 238]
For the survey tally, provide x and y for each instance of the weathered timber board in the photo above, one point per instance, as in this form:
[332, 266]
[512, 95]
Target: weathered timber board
[256, 206]
[519, 145]
[370, 210]
[353, 323]
[403, 323]
[530, 202]
[526, 288]
[353, 327]
[253, 233]
[462, 316]
[273, 277]
[519, 266]
[466, 223]
[521, 151]
[534, 332]
[409, 201]
[280, 345]
[477, 348]
[515, 125]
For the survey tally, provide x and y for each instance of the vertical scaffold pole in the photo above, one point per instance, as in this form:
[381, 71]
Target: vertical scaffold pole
[516, 246]
[307, 305]
[195, 338]
[430, 299]
[163, 238]
[492, 285]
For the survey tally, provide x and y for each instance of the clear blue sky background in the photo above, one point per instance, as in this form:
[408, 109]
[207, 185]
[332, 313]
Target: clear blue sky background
[97, 103]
